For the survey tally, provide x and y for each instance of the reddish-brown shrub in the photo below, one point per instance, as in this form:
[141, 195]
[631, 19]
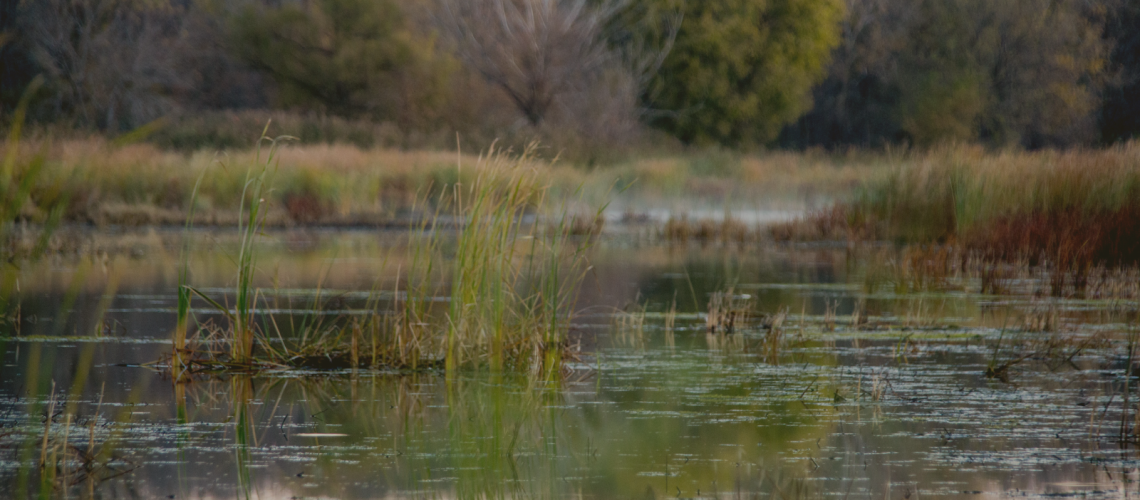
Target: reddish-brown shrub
[1069, 242]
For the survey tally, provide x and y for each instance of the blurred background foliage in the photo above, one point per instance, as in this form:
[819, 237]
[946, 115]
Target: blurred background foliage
[742, 69]
[584, 76]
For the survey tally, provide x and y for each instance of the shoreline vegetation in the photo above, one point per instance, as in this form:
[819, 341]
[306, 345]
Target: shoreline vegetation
[1070, 218]
[110, 184]
[1072, 210]
[949, 194]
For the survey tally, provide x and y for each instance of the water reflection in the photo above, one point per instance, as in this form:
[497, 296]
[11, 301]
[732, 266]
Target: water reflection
[665, 422]
[897, 408]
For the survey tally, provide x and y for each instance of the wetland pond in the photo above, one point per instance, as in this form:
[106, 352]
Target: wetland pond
[869, 393]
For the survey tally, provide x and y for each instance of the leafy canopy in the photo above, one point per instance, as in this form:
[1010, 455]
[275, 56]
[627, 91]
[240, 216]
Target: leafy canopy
[342, 56]
[742, 69]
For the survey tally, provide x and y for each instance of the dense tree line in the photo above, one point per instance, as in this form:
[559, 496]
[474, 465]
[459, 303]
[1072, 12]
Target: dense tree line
[1017, 72]
[740, 73]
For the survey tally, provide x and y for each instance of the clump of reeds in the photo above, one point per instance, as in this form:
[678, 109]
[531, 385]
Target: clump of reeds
[510, 274]
[514, 282]
[631, 325]
[1069, 242]
[241, 334]
[773, 338]
[727, 311]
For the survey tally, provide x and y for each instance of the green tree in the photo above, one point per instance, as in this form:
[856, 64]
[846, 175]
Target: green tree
[346, 57]
[1016, 72]
[855, 105]
[1010, 73]
[740, 70]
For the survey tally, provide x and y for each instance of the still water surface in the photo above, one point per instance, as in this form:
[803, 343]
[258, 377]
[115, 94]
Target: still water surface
[898, 409]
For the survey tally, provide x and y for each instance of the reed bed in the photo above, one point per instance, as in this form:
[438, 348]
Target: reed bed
[1072, 217]
[958, 192]
[496, 292]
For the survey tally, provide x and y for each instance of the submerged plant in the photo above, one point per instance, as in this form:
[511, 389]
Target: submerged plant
[726, 310]
[57, 450]
[773, 339]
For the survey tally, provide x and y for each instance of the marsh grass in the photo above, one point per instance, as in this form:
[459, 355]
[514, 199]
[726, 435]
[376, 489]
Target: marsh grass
[515, 280]
[773, 340]
[728, 311]
[1067, 215]
[241, 332]
[497, 292]
[630, 325]
[952, 267]
[185, 295]
[337, 184]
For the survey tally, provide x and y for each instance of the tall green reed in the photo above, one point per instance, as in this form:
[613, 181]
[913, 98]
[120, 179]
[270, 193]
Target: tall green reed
[514, 276]
[508, 276]
[185, 294]
[411, 340]
[258, 183]
[484, 272]
[241, 336]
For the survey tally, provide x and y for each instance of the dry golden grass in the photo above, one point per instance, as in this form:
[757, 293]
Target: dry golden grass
[982, 185]
[910, 195]
[138, 184]
[788, 179]
[947, 192]
[336, 184]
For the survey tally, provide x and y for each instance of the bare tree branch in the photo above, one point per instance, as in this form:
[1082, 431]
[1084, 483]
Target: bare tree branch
[539, 50]
[107, 61]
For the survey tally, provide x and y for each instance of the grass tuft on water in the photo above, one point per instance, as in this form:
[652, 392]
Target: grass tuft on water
[495, 292]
